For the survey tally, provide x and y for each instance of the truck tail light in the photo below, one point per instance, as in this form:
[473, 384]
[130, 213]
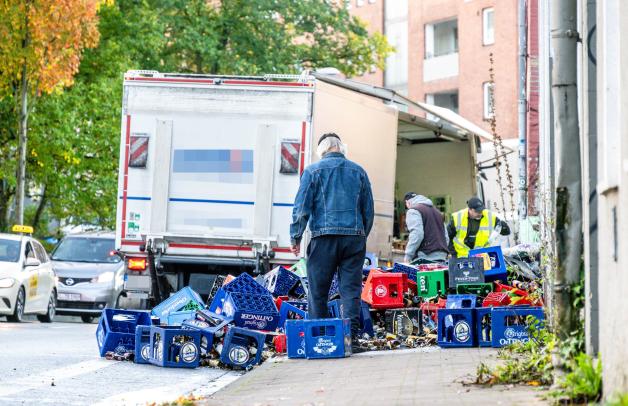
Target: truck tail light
[136, 264]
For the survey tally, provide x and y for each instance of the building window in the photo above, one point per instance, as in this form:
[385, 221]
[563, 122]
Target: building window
[348, 4]
[448, 100]
[371, 1]
[359, 3]
[441, 39]
[488, 24]
[489, 100]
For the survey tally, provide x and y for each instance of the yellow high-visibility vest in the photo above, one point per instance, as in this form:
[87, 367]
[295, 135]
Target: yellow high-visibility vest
[461, 221]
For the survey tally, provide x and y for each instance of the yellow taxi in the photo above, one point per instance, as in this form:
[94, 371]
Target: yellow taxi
[28, 284]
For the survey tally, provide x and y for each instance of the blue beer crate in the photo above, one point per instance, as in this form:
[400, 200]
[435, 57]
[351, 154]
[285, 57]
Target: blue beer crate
[174, 347]
[327, 338]
[242, 284]
[295, 338]
[510, 324]
[301, 289]
[280, 281]
[184, 299]
[483, 316]
[257, 312]
[142, 344]
[291, 311]
[456, 328]
[116, 329]
[461, 301]
[411, 271]
[209, 332]
[177, 318]
[366, 323]
[498, 265]
[242, 347]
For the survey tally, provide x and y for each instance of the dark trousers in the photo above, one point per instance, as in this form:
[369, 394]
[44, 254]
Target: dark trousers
[327, 255]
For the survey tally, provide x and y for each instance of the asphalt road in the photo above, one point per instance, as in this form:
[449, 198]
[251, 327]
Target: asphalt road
[58, 364]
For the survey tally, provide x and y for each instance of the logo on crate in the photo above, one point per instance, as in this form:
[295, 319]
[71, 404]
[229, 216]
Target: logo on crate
[462, 331]
[381, 291]
[188, 352]
[256, 320]
[198, 323]
[238, 355]
[423, 281]
[228, 309]
[145, 352]
[324, 346]
[512, 336]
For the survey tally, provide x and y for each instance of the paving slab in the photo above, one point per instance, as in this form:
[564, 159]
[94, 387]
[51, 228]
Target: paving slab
[427, 376]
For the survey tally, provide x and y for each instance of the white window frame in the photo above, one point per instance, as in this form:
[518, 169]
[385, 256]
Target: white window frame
[359, 3]
[488, 35]
[488, 110]
[371, 1]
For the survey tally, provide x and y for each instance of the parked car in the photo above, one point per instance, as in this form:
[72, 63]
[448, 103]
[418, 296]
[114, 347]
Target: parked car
[90, 274]
[27, 280]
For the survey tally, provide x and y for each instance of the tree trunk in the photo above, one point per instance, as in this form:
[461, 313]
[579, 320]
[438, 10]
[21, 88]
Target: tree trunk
[22, 139]
[40, 207]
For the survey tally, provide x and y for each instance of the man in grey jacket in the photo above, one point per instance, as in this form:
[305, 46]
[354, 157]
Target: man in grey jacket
[428, 236]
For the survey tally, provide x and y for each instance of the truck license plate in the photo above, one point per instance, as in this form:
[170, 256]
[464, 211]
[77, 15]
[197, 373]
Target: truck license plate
[75, 297]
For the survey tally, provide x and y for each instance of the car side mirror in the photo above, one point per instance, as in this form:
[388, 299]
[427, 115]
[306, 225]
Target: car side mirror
[31, 262]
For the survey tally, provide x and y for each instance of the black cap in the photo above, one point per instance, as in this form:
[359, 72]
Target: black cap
[409, 196]
[327, 136]
[476, 204]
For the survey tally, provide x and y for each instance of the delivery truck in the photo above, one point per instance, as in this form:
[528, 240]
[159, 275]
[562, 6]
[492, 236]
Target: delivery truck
[210, 166]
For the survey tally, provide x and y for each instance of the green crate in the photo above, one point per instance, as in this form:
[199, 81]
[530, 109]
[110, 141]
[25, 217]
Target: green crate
[431, 283]
[480, 289]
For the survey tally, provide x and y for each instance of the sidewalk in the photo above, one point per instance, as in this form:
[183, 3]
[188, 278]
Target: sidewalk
[429, 376]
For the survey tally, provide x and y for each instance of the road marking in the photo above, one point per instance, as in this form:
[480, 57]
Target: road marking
[25, 383]
[195, 385]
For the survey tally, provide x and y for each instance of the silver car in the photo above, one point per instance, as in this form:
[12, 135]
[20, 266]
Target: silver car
[91, 274]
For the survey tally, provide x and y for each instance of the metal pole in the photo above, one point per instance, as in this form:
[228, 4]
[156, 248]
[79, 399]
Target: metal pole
[522, 109]
[567, 172]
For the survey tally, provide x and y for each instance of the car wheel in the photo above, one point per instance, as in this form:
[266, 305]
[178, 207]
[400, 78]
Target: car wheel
[87, 319]
[18, 313]
[52, 309]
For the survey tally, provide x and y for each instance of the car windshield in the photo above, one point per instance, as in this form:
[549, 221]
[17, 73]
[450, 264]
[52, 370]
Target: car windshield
[86, 250]
[9, 250]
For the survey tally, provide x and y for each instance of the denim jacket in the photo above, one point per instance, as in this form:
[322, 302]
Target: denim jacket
[335, 197]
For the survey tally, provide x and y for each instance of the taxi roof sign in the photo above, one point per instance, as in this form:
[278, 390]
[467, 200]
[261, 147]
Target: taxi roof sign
[22, 229]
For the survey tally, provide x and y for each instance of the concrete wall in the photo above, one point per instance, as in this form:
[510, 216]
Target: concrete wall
[443, 168]
[612, 188]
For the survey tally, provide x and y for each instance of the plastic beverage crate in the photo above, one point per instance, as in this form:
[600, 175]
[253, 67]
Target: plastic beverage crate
[461, 301]
[177, 318]
[483, 326]
[184, 299]
[366, 323]
[295, 337]
[498, 265]
[480, 289]
[142, 344]
[280, 281]
[174, 347]
[385, 290]
[327, 338]
[510, 324]
[256, 312]
[456, 328]
[209, 331]
[431, 283]
[409, 270]
[494, 299]
[242, 284]
[289, 311]
[116, 329]
[334, 289]
[242, 347]
[465, 271]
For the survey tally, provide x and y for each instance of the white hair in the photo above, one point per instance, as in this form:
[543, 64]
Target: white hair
[330, 143]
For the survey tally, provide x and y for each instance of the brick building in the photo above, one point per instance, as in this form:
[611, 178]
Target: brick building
[443, 51]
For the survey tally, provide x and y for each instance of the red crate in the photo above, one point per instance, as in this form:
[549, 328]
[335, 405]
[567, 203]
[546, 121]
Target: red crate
[385, 290]
[496, 299]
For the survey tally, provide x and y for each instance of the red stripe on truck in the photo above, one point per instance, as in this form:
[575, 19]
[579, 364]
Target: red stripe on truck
[125, 181]
[302, 166]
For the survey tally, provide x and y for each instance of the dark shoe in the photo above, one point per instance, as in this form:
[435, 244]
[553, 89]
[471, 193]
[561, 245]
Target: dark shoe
[356, 348]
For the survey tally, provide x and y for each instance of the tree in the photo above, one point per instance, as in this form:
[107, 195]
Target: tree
[43, 41]
[262, 36]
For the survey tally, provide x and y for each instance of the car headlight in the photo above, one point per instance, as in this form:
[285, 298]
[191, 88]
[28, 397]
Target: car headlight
[7, 282]
[103, 278]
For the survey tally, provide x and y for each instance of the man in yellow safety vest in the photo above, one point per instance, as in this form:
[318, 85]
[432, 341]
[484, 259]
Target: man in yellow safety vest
[472, 228]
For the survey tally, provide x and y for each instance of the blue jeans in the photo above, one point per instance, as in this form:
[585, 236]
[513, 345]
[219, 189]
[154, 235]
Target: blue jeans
[327, 255]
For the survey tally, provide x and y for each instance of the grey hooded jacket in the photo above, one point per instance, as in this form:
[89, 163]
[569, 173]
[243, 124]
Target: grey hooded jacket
[414, 222]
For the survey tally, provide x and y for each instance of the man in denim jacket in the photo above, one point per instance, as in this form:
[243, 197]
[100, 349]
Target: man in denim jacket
[335, 197]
